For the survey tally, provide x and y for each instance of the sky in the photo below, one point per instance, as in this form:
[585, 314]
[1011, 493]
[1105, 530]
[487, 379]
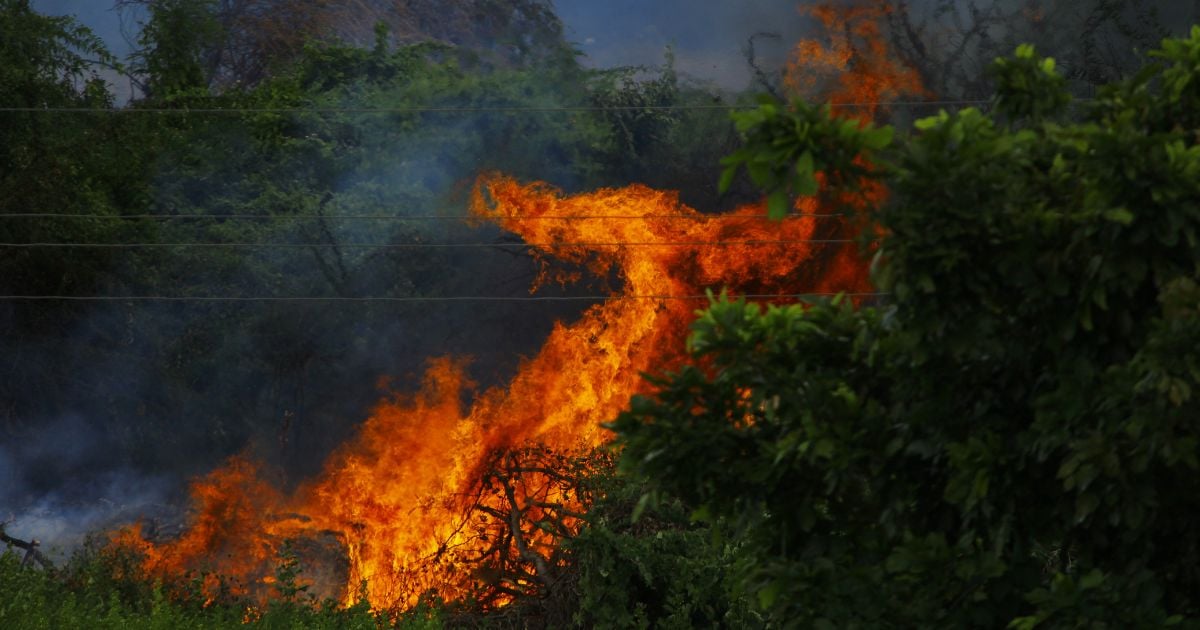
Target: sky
[707, 36]
[97, 15]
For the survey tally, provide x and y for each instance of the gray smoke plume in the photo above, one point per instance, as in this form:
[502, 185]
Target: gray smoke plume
[58, 486]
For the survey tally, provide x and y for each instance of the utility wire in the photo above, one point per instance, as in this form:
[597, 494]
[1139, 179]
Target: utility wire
[516, 109]
[427, 245]
[412, 299]
[450, 109]
[419, 217]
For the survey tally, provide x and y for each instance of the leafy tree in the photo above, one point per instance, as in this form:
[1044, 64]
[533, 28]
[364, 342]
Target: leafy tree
[79, 162]
[1010, 436]
[661, 571]
[48, 63]
[239, 44]
[178, 46]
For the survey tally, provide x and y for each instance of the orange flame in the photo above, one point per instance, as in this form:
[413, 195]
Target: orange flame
[399, 492]
[431, 495]
[856, 64]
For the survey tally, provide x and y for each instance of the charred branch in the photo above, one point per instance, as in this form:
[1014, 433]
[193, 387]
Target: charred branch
[560, 509]
[509, 533]
[764, 80]
[32, 553]
[514, 516]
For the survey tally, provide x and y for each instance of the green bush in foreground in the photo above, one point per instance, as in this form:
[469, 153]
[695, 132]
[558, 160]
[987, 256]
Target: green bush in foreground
[659, 571]
[1013, 436]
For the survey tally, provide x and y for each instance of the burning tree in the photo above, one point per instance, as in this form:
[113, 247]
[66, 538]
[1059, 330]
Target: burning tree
[434, 497]
[529, 501]
[403, 491]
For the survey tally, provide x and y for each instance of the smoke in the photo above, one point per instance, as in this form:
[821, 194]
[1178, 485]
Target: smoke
[59, 487]
[104, 420]
[108, 419]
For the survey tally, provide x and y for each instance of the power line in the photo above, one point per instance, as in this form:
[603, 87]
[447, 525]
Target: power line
[453, 109]
[414, 299]
[419, 217]
[427, 245]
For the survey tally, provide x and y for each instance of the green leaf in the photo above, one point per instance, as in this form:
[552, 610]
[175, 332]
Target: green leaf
[804, 164]
[726, 180]
[1119, 215]
[805, 185]
[1093, 579]
[980, 488]
[778, 204]
[643, 502]
[759, 172]
[929, 122]
[878, 138]
[769, 593]
[1024, 623]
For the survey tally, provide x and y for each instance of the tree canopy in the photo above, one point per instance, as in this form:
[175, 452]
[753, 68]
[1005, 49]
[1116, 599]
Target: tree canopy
[1009, 436]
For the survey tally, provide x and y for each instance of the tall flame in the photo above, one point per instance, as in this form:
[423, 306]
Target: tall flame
[430, 495]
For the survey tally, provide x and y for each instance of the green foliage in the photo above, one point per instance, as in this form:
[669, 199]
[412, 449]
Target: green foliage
[663, 131]
[77, 162]
[1010, 438]
[659, 570]
[48, 60]
[1029, 87]
[178, 41]
[786, 148]
[104, 588]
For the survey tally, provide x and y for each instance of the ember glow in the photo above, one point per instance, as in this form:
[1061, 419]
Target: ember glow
[469, 500]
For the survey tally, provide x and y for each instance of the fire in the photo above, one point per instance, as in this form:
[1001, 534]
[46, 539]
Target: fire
[470, 500]
[405, 495]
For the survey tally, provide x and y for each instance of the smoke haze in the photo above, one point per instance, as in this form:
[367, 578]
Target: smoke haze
[304, 376]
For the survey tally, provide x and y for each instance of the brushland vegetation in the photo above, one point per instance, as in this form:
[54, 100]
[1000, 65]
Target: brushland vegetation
[1007, 438]
[103, 588]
